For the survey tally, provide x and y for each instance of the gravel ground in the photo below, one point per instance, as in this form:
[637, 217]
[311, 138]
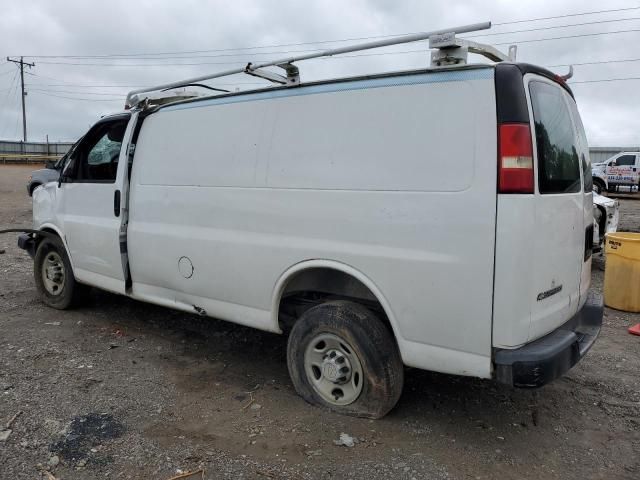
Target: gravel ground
[121, 389]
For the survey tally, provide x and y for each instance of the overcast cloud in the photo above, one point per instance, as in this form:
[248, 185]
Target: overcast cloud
[64, 100]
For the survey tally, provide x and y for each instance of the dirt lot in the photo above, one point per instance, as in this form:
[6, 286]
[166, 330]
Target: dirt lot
[121, 389]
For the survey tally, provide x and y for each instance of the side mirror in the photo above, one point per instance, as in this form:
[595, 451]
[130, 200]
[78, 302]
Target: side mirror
[613, 164]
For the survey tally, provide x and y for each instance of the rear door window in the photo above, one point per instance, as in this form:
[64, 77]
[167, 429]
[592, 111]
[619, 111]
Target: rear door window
[558, 160]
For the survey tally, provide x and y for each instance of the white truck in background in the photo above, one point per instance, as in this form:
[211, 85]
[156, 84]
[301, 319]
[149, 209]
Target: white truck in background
[311, 209]
[623, 169]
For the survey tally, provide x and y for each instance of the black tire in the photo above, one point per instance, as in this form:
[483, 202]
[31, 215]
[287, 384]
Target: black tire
[69, 292]
[373, 345]
[33, 188]
[598, 186]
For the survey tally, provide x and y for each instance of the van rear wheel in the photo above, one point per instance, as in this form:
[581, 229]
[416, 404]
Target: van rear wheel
[342, 357]
[54, 277]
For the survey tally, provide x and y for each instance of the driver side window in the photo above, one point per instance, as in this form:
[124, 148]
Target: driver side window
[96, 158]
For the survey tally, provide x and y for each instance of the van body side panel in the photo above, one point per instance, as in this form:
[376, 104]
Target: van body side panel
[393, 177]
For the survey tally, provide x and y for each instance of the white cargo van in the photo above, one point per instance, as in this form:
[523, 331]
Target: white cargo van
[313, 210]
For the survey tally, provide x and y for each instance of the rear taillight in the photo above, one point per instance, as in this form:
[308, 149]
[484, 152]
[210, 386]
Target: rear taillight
[515, 159]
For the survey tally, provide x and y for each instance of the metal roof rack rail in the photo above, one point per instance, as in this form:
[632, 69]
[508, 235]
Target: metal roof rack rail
[449, 51]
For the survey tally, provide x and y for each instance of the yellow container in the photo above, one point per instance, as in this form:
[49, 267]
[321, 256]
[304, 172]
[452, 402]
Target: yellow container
[622, 271]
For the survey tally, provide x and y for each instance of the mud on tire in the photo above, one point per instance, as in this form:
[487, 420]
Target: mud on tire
[364, 342]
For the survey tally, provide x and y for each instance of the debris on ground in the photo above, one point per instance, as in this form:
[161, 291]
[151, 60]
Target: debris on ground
[266, 474]
[6, 431]
[55, 324]
[345, 440]
[188, 474]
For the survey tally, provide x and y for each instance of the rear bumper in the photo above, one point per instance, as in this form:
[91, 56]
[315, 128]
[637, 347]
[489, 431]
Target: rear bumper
[543, 360]
[27, 242]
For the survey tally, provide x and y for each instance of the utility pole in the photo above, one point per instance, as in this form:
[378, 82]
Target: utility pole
[22, 63]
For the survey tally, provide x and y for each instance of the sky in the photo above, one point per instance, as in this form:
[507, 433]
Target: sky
[89, 54]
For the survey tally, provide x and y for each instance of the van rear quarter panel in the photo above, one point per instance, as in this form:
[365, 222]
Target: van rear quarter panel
[394, 177]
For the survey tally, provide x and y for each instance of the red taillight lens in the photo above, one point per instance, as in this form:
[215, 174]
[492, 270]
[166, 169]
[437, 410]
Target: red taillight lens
[515, 159]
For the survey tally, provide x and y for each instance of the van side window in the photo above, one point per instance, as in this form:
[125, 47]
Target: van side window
[96, 158]
[626, 160]
[558, 161]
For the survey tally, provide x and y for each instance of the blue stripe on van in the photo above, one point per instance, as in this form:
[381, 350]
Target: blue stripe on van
[433, 77]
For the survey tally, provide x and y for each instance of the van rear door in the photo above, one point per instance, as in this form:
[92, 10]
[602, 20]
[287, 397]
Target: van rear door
[562, 245]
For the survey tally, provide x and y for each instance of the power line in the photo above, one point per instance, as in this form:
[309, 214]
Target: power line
[595, 62]
[22, 64]
[118, 99]
[570, 15]
[605, 80]
[68, 84]
[83, 86]
[183, 57]
[15, 130]
[75, 92]
[570, 36]
[4, 102]
[598, 22]
[53, 93]
[116, 55]
[120, 86]
[327, 58]
[88, 57]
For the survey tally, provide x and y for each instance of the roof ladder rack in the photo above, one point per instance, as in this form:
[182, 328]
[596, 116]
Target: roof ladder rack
[292, 78]
[450, 51]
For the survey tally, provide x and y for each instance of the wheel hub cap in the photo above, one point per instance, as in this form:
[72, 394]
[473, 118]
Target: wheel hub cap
[336, 367]
[53, 273]
[333, 369]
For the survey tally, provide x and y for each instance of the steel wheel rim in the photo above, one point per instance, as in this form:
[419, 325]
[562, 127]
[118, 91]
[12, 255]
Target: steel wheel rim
[333, 369]
[53, 273]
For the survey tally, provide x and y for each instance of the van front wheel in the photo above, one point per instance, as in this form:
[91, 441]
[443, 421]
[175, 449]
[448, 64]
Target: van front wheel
[341, 356]
[54, 277]
[598, 185]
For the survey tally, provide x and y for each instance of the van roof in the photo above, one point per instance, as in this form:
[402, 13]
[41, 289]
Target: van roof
[523, 67]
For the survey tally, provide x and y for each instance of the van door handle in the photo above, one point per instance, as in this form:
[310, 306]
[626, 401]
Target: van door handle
[116, 203]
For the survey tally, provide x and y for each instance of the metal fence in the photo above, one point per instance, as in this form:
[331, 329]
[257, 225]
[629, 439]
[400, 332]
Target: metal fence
[31, 152]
